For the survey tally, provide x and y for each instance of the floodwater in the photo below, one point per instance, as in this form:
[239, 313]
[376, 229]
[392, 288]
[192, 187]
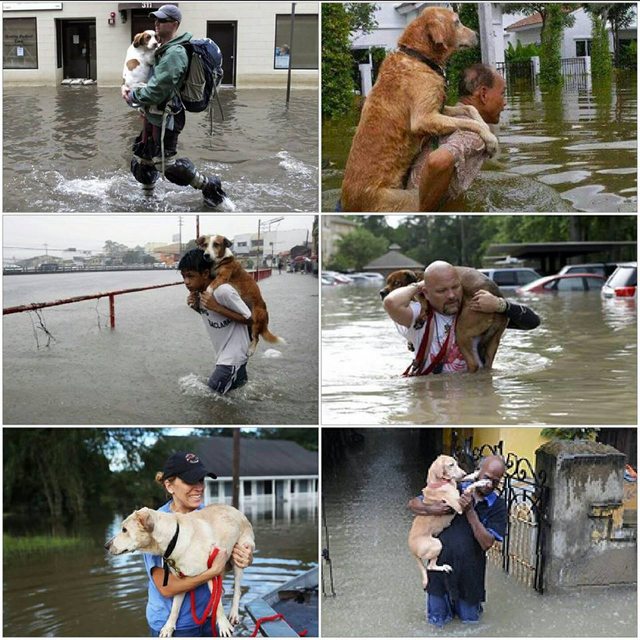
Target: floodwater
[377, 583]
[90, 593]
[577, 367]
[573, 150]
[68, 148]
[153, 368]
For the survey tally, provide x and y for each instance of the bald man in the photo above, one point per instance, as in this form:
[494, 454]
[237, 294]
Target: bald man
[464, 546]
[443, 290]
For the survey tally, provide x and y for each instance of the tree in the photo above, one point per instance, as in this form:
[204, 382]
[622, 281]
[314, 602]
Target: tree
[555, 17]
[620, 15]
[339, 22]
[357, 248]
[460, 60]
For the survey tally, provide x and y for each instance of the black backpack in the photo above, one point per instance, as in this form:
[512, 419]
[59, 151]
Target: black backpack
[204, 73]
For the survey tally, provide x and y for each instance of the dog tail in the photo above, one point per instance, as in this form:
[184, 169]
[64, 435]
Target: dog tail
[270, 337]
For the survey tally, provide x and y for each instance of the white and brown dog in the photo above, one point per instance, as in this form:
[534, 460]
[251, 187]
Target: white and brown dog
[139, 59]
[226, 269]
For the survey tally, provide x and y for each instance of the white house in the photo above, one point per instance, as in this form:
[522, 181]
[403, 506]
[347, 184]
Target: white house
[275, 475]
[576, 40]
[45, 42]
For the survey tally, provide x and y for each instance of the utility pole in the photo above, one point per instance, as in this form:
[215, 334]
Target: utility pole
[236, 469]
[180, 232]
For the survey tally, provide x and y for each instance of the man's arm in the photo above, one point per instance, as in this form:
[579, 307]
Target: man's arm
[209, 302]
[483, 537]
[419, 508]
[397, 304]
[520, 316]
[166, 79]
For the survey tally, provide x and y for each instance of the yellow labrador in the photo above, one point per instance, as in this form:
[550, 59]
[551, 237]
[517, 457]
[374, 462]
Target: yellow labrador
[197, 534]
[441, 487]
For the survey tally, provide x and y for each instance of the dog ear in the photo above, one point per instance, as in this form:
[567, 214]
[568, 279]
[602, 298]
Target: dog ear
[227, 243]
[144, 517]
[435, 471]
[201, 241]
[137, 39]
[436, 32]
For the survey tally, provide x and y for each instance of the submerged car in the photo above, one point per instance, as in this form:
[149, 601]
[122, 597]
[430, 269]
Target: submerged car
[565, 283]
[511, 279]
[622, 282]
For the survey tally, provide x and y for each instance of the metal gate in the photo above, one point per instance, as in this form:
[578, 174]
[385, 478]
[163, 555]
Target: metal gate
[521, 554]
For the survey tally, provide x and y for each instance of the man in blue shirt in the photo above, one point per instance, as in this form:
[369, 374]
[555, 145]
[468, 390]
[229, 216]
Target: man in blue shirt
[464, 545]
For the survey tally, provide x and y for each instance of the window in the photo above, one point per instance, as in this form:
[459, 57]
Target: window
[303, 486]
[268, 487]
[228, 489]
[247, 487]
[583, 48]
[19, 43]
[213, 489]
[303, 49]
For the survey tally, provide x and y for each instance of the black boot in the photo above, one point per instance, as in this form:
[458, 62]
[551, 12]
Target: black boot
[213, 192]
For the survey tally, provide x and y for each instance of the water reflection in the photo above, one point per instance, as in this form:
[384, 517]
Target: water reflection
[578, 367]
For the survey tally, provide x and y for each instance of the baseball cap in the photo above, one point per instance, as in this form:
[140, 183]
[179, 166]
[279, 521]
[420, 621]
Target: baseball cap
[168, 11]
[187, 467]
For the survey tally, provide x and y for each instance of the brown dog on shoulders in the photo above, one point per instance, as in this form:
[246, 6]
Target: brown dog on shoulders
[489, 327]
[226, 269]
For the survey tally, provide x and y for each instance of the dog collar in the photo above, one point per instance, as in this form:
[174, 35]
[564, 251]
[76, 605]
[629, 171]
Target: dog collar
[419, 56]
[167, 554]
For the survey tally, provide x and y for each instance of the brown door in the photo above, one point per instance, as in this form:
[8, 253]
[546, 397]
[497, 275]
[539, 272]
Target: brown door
[78, 48]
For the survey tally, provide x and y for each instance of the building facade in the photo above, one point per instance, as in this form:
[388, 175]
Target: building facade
[46, 42]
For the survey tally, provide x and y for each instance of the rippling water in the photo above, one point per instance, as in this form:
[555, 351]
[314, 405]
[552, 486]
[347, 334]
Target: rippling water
[90, 593]
[579, 366]
[68, 149]
[377, 584]
[154, 367]
[574, 149]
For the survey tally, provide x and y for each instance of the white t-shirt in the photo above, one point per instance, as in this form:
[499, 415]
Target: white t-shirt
[453, 361]
[230, 339]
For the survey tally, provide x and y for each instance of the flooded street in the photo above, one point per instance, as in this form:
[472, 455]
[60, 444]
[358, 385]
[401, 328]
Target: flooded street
[579, 366]
[68, 149]
[153, 368]
[574, 150]
[89, 593]
[377, 584]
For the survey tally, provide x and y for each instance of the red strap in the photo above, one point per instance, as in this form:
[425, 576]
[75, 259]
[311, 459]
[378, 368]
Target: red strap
[416, 366]
[277, 616]
[214, 600]
[419, 359]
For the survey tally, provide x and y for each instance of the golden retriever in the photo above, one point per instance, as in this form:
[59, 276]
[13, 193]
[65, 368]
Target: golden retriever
[471, 324]
[441, 487]
[402, 108]
[217, 525]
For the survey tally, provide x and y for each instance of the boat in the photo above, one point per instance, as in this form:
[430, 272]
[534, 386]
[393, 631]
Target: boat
[296, 601]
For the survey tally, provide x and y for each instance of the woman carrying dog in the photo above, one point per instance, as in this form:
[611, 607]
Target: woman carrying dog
[183, 480]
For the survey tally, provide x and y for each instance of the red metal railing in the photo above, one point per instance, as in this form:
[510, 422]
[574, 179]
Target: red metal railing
[259, 274]
[96, 296]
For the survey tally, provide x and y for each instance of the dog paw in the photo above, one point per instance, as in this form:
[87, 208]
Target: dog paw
[166, 631]
[225, 628]
[446, 567]
[491, 144]
[234, 617]
[250, 351]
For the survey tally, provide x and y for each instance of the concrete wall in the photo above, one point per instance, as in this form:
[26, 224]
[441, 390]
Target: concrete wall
[255, 46]
[586, 544]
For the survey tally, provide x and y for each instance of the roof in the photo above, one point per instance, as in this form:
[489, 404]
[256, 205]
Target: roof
[529, 21]
[257, 457]
[392, 260]
[532, 250]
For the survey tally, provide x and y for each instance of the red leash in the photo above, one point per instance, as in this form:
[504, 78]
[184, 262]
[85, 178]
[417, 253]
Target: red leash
[278, 616]
[214, 601]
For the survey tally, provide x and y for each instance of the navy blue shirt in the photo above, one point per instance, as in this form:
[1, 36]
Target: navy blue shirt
[461, 550]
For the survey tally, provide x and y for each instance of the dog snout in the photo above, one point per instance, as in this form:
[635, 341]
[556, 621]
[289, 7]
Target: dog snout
[107, 545]
[384, 293]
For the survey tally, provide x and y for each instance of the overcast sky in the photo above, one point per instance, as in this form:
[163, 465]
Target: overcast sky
[25, 235]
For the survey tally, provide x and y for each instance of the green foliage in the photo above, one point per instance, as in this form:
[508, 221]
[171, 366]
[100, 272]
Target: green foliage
[459, 61]
[14, 547]
[601, 63]
[585, 433]
[550, 48]
[357, 248]
[521, 52]
[628, 56]
[339, 21]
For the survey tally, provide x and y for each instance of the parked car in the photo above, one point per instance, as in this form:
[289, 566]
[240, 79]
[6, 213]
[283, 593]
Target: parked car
[511, 279]
[367, 277]
[604, 269]
[12, 268]
[622, 282]
[338, 278]
[328, 280]
[564, 283]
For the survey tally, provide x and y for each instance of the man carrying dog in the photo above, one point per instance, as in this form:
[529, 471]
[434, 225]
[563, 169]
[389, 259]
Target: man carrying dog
[226, 318]
[447, 172]
[464, 546]
[443, 291]
[164, 114]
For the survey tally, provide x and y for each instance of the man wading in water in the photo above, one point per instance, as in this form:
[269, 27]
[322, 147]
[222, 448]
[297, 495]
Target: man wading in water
[162, 91]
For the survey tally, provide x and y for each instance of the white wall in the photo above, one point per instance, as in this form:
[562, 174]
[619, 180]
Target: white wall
[255, 47]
